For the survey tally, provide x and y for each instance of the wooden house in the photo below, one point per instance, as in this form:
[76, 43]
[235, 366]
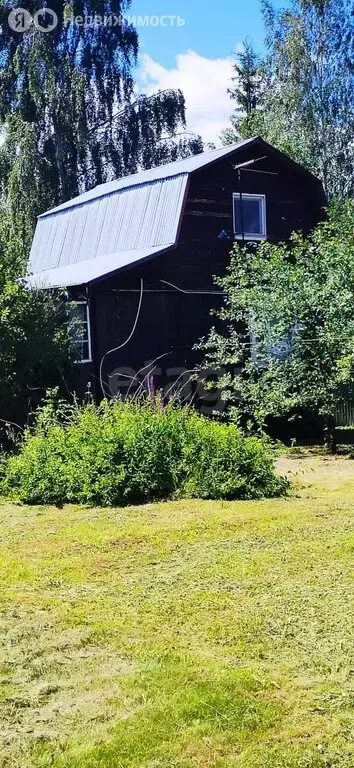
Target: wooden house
[138, 255]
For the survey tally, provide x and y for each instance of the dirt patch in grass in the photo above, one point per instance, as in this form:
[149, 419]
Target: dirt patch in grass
[182, 635]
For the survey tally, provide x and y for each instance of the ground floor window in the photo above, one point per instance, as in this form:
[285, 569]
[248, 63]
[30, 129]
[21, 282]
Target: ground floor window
[79, 330]
[249, 216]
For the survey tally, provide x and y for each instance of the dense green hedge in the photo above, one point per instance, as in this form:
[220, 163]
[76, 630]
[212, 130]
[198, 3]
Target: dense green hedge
[123, 453]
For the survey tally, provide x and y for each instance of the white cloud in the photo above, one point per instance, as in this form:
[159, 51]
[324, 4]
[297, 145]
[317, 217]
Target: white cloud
[204, 83]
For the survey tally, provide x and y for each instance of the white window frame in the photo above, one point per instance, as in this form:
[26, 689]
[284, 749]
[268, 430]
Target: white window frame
[89, 359]
[249, 196]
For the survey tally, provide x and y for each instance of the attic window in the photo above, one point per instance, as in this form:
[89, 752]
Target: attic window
[249, 216]
[79, 330]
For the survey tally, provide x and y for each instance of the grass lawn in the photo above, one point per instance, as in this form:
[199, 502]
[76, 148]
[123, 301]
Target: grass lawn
[182, 635]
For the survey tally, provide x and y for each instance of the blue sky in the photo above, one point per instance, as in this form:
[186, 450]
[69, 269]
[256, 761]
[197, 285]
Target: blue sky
[211, 28]
[197, 57]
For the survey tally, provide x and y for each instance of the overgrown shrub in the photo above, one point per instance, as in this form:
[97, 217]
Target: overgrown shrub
[122, 453]
[285, 347]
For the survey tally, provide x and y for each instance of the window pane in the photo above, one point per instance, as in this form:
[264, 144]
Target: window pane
[249, 219]
[84, 351]
[78, 330]
[77, 313]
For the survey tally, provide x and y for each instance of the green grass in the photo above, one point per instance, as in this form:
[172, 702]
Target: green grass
[182, 635]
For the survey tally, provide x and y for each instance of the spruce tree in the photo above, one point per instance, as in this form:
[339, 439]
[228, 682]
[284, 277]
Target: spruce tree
[247, 93]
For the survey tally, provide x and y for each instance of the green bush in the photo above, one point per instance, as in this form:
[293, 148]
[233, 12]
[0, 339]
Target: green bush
[127, 453]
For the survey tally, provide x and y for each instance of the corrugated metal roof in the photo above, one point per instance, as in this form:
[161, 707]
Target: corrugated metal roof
[89, 270]
[115, 224]
[135, 218]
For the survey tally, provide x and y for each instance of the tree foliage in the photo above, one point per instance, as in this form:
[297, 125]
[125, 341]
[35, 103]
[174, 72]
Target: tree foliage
[247, 81]
[246, 91]
[71, 117]
[34, 351]
[306, 105]
[288, 339]
[75, 86]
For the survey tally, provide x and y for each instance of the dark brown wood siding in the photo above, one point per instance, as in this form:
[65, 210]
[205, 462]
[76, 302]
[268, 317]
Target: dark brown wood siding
[293, 201]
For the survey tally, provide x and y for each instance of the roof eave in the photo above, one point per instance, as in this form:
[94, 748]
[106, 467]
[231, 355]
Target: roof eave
[128, 267]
